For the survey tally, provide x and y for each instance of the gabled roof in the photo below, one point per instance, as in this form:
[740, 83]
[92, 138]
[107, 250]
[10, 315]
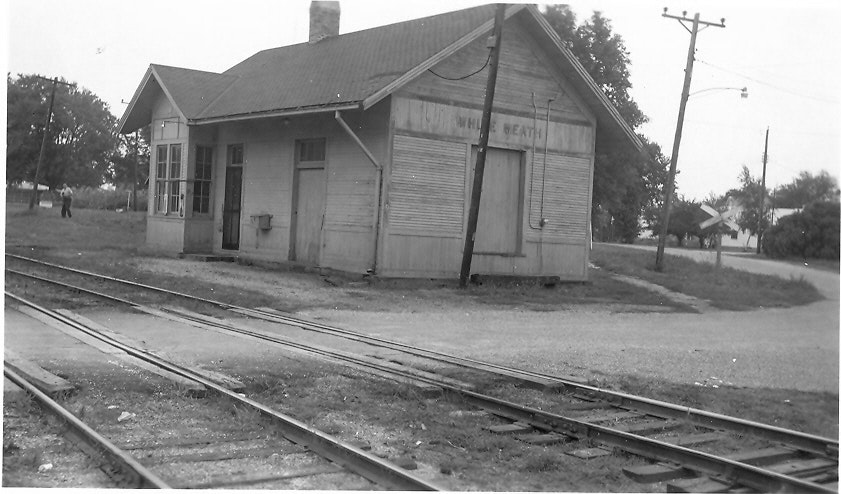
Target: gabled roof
[353, 70]
[189, 90]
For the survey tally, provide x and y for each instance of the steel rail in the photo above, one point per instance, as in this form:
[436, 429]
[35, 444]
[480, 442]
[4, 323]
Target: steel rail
[354, 459]
[130, 468]
[807, 442]
[737, 472]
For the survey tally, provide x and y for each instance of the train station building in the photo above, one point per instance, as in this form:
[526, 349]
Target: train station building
[355, 152]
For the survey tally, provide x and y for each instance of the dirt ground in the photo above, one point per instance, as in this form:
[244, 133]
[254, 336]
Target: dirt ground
[766, 354]
[766, 348]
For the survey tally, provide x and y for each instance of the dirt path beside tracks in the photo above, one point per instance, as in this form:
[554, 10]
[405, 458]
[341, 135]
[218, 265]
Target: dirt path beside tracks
[791, 348]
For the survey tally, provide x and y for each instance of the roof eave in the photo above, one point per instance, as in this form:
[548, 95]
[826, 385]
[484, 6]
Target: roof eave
[121, 128]
[430, 62]
[285, 112]
[127, 123]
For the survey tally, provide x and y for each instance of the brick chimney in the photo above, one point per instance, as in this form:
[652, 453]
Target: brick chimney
[324, 20]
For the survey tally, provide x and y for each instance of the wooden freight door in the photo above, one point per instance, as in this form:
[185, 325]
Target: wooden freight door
[309, 200]
[499, 228]
[232, 208]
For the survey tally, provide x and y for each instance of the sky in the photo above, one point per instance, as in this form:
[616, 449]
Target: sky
[785, 53]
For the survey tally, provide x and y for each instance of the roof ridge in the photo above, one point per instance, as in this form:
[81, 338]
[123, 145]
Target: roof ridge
[437, 57]
[207, 107]
[187, 69]
[361, 32]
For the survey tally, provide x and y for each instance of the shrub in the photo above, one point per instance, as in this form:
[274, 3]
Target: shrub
[810, 234]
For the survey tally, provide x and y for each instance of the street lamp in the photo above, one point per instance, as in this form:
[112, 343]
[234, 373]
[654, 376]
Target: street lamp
[744, 90]
[670, 184]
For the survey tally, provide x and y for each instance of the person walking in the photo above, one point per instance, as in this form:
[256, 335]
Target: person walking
[66, 199]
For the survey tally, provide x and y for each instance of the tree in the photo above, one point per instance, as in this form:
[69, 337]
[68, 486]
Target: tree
[748, 197]
[603, 55]
[685, 219]
[639, 196]
[623, 182]
[643, 195]
[82, 139]
[123, 162]
[806, 189]
[811, 233]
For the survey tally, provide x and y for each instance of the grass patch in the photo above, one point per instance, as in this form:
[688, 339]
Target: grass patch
[807, 411]
[828, 265]
[114, 243]
[729, 289]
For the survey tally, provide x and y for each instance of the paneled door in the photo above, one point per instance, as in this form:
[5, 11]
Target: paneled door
[232, 208]
[309, 214]
[499, 229]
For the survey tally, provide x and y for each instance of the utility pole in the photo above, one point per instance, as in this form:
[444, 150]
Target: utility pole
[687, 80]
[479, 173]
[136, 160]
[759, 231]
[134, 173]
[34, 196]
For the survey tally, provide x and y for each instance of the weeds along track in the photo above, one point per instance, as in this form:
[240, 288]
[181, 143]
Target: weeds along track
[691, 450]
[117, 463]
[188, 449]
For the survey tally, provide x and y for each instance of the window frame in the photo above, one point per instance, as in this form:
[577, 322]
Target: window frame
[203, 180]
[169, 196]
[313, 150]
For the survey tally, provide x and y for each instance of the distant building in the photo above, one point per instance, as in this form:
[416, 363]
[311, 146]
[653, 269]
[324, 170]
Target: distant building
[747, 241]
[356, 152]
[21, 192]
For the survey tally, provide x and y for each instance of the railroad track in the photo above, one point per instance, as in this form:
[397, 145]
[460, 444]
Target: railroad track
[671, 435]
[315, 455]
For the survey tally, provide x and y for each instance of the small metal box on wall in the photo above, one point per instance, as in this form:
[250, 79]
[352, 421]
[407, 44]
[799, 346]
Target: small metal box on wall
[264, 221]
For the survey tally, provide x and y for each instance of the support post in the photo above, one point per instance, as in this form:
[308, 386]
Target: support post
[134, 172]
[34, 196]
[670, 184]
[759, 229]
[479, 173]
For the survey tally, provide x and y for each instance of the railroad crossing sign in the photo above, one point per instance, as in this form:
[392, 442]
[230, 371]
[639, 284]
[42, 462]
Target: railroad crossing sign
[718, 218]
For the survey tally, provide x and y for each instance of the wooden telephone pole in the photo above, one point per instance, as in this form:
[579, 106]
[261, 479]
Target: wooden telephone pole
[759, 231]
[687, 80]
[134, 170]
[479, 173]
[34, 196]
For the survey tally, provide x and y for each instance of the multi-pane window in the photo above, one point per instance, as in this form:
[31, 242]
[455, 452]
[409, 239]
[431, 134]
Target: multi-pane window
[160, 179]
[311, 150]
[175, 177]
[235, 155]
[168, 179]
[201, 186]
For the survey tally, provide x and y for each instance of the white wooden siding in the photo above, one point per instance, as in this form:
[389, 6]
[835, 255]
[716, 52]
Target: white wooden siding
[350, 187]
[566, 201]
[426, 195]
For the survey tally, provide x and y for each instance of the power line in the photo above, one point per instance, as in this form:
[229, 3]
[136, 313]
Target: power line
[463, 77]
[783, 130]
[768, 84]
